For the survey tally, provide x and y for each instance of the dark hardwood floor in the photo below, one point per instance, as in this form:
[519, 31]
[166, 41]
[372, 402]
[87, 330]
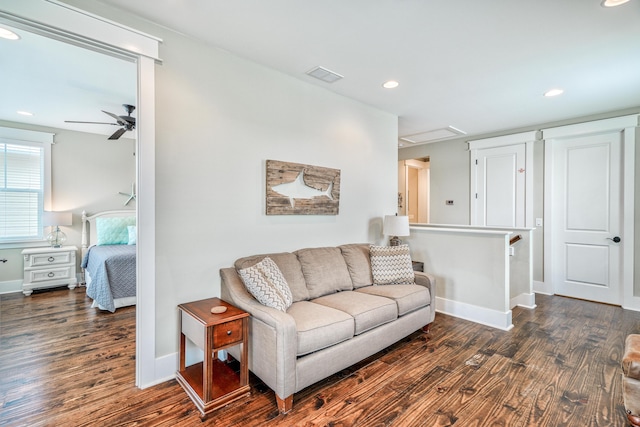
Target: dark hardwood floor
[65, 364]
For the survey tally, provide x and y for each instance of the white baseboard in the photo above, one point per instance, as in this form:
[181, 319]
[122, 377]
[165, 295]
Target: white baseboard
[10, 286]
[165, 370]
[542, 288]
[166, 366]
[524, 300]
[474, 313]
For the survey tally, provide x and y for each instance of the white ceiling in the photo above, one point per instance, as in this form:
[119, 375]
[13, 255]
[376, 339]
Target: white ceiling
[479, 66]
[57, 81]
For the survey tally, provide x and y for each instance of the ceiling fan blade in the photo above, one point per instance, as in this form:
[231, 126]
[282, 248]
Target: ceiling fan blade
[117, 134]
[118, 119]
[93, 123]
[129, 119]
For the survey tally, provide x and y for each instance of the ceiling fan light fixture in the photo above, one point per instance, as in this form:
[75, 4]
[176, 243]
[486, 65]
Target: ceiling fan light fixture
[8, 34]
[553, 92]
[390, 84]
[126, 123]
[612, 3]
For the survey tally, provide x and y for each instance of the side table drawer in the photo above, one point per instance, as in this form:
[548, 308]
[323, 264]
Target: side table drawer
[227, 333]
[37, 260]
[48, 274]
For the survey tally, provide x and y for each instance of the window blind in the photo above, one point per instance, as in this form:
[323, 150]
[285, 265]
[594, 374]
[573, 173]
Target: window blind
[21, 191]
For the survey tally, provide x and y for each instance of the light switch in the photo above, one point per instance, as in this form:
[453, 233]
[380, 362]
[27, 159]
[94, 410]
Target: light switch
[538, 222]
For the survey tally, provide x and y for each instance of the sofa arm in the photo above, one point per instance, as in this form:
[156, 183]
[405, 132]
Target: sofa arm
[272, 336]
[429, 281]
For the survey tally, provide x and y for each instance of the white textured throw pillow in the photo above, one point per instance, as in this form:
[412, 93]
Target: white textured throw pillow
[267, 284]
[391, 265]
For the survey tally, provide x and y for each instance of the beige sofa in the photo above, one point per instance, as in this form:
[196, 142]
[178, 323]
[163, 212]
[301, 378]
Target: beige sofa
[337, 317]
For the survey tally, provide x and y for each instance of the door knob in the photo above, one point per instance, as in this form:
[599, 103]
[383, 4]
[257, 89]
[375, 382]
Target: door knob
[615, 239]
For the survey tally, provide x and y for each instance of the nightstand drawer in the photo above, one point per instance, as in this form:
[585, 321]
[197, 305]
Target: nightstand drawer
[51, 258]
[49, 274]
[227, 333]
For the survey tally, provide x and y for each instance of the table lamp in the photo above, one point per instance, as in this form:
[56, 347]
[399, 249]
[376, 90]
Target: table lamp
[55, 219]
[395, 226]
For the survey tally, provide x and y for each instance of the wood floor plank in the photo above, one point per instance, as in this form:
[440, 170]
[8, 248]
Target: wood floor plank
[64, 363]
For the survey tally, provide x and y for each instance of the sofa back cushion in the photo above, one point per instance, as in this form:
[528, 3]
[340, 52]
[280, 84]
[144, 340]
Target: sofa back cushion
[325, 271]
[357, 258]
[289, 266]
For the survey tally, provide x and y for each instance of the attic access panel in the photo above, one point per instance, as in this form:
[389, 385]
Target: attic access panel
[298, 189]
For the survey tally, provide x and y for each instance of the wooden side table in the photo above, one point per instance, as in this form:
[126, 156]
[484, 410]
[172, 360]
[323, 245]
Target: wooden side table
[212, 383]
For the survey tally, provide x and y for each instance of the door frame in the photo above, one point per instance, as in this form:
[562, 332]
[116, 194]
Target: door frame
[626, 124]
[422, 166]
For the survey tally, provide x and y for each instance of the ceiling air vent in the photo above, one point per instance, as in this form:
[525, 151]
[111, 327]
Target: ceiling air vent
[325, 75]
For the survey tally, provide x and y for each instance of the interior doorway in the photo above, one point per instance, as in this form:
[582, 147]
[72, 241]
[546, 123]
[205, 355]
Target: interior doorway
[104, 36]
[413, 189]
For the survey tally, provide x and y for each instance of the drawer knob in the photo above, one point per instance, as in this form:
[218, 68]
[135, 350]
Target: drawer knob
[51, 274]
[51, 259]
[228, 332]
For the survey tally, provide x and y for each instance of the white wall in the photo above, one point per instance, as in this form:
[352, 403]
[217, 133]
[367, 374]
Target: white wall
[234, 115]
[218, 119]
[87, 172]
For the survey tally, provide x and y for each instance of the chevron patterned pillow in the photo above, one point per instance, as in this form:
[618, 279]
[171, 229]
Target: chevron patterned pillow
[266, 283]
[391, 265]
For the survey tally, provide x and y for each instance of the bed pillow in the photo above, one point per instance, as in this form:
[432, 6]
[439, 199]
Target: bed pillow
[267, 284]
[131, 229]
[113, 231]
[391, 265]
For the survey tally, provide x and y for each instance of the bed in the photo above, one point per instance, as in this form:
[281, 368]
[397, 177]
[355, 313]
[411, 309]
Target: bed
[109, 258]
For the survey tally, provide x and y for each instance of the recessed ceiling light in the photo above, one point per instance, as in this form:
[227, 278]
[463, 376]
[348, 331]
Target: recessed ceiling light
[391, 84]
[24, 113]
[7, 34]
[553, 92]
[613, 3]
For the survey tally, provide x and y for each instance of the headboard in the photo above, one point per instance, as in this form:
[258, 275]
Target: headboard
[89, 234]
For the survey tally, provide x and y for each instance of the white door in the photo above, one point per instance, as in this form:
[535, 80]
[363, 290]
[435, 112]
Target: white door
[500, 187]
[587, 217]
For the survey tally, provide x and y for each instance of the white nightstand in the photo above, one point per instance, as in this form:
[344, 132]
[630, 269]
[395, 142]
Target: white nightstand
[49, 267]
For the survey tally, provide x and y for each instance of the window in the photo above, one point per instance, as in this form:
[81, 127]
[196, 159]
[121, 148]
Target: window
[24, 184]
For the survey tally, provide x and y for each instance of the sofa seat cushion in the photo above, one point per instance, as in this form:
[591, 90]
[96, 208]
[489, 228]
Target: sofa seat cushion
[325, 271]
[407, 297]
[319, 326]
[288, 265]
[368, 311]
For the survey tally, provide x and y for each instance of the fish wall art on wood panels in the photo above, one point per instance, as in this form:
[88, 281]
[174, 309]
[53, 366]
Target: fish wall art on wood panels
[297, 189]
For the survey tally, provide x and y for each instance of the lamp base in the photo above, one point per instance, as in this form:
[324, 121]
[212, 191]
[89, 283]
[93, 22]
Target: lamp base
[56, 238]
[395, 241]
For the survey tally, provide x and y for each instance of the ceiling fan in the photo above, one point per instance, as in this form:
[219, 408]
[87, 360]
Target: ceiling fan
[126, 122]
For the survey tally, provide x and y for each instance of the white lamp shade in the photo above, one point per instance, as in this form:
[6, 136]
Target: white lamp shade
[396, 225]
[50, 218]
